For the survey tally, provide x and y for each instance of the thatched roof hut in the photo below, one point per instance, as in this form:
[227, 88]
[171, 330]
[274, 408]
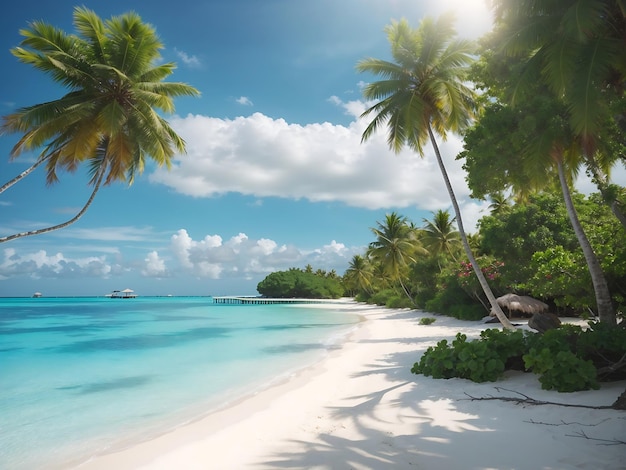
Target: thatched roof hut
[521, 303]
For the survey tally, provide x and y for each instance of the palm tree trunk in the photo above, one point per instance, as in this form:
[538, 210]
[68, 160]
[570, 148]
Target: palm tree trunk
[468, 251]
[406, 291]
[606, 312]
[64, 224]
[23, 174]
[601, 182]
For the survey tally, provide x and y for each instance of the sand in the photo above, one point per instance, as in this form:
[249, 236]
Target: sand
[361, 408]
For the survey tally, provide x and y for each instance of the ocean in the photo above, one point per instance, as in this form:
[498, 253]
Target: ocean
[84, 376]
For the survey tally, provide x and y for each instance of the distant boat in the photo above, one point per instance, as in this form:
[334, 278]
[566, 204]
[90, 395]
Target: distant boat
[37, 295]
[123, 294]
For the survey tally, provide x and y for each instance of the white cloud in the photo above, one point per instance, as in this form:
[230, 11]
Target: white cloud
[155, 266]
[244, 100]
[189, 60]
[265, 157]
[41, 265]
[241, 256]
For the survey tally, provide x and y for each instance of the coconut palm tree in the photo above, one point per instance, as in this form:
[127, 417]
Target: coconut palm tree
[394, 248]
[359, 274]
[109, 116]
[439, 235]
[577, 49]
[422, 93]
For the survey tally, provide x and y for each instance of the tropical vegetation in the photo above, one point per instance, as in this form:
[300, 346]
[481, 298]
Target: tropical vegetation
[301, 283]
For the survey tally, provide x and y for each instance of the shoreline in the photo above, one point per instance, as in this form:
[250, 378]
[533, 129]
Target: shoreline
[361, 408]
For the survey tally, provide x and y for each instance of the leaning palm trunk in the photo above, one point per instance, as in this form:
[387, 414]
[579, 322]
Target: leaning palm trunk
[600, 286]
[406, 291]
[468, 251]
[23, 174]
[602, 184]
[64, 224]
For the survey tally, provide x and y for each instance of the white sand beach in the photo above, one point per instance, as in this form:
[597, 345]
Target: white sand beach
[361, 408]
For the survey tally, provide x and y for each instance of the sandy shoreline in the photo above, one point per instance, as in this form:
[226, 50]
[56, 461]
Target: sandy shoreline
[361, 408]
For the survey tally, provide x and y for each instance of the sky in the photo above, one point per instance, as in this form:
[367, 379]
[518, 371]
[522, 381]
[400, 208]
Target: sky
[275, 175]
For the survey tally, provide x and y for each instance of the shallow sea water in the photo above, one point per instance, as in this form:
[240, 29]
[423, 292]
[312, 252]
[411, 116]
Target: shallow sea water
[83, 376]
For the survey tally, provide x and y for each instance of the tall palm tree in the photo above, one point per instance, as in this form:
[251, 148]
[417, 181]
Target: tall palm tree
[109, 116]
[394, 248]
[577, 49]
[425, 91]
[550, 154]
[439, 235]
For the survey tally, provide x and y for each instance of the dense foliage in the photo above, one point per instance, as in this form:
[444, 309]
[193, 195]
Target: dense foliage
[298, 283]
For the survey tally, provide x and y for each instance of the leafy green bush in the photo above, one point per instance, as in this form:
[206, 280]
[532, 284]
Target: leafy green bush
[439, 362]
[399, 301]
[427, 320]
[473, 360]
[564, 372]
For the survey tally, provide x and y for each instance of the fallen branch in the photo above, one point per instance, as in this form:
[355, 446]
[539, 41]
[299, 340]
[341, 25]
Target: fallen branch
[564, 423]
[526, 400]
[605, 442]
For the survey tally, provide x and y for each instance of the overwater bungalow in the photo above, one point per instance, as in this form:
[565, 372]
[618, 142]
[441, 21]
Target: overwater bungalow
[123, 294]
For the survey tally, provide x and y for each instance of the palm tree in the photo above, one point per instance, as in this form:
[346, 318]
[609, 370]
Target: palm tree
[577, 49]
[359, 274]
[550, 154]
[499, 203]
[576, 46]
[108, 118]
[423, 92]
[394, 248]
[439, 235]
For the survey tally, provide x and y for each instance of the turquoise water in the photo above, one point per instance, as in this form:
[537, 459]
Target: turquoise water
[83, 376]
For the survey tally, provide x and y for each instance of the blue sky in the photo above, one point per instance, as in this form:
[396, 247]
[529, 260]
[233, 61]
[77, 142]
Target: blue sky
[275, 175]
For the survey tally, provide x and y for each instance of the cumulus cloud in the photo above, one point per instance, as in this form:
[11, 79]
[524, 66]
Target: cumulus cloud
[40, 264]
[211, 257]
[265, 157]
[240, 256]
[154, 266]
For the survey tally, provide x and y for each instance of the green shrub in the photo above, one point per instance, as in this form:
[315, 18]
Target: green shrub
[564, 372]
[427, 320]
[438, 362]
[401, 301]
[473, 360]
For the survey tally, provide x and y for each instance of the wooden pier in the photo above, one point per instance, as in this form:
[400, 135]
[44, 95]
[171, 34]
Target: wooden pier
[264, 301]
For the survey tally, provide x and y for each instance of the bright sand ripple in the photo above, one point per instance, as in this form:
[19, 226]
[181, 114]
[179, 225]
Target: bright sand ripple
[361, 408]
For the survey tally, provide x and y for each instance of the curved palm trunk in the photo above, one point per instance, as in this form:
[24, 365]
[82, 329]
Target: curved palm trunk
[64, 224]
[468, 251]
[600, 286]
[602, 183]
[23, 174]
